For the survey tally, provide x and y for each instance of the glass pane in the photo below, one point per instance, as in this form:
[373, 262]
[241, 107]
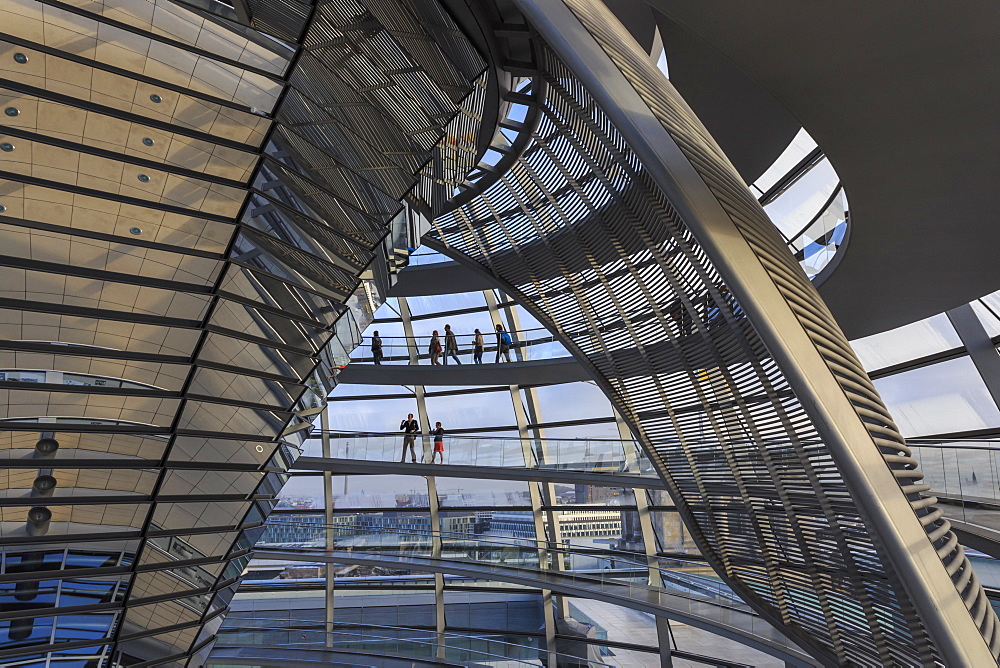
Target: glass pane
[426, 255]
[607, 430]
[457, 492]
[799, 148]
[379, 491]
[345, 390]
[501, 611]
[942, 398]
[469, 411]
[795, 207]
[301, 492]
[572, 401]
[671, 533]
[375, 416]
[918, 339]
[463, 326]
[988, 311]
[593, 495]
[440, 303]
[596, 529]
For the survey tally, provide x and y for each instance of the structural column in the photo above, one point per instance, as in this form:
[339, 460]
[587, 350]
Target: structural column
[981, 349]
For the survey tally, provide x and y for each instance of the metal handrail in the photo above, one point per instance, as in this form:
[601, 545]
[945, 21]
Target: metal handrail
[340, 433]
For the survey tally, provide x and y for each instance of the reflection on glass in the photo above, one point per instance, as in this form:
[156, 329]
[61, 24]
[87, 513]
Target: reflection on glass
[799, 147]
[818, 243]
[803, 199]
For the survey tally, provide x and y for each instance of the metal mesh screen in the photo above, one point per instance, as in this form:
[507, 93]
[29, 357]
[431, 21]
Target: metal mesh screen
[582, 234]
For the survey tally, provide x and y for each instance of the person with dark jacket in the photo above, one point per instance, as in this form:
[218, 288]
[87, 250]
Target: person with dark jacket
[450, 345]
[503, 344]
[377, 348]
[410, 429]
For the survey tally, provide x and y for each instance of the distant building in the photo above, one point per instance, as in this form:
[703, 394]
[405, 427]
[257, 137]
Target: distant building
[599, 522]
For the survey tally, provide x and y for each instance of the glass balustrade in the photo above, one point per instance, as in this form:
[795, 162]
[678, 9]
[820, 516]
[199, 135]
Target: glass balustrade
[581, 455]
[526, 345]
[687, 586]
[484, 649]
[965, 476]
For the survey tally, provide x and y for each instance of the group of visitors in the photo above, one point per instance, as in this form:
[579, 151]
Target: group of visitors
[450, 347]
[411, 429]
[703, 309]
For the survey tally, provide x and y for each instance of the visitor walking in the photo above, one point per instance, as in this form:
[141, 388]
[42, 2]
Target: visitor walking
[435, 349]
[478, 347]
[450, 345]
[377, 348]
[438, 442]
[503, 344]
[410, 429]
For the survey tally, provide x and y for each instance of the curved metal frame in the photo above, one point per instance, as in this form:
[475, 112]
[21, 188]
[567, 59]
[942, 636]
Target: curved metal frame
[657, 603]
[687, 208]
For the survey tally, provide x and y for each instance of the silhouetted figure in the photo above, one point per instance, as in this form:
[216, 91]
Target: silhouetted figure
[377, 348]
[410, 429]
[450, 345]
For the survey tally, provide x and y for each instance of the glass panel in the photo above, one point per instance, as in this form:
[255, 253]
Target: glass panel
[463, 325]
[942, 398]
[615, 623]
[469, 411]
[346, 390]
[426, 255]
[379, 491]
[572, 401]
[602, 495]
[527, 321]
[439, 303]
[799, 148]
[454, 492]
[598, 529]
[372, 416]
[293, 529]
[918, 339]
[604, 430]
[301, 492]
[988, 310]
[671, 533]
[797, 205]
[503, 612]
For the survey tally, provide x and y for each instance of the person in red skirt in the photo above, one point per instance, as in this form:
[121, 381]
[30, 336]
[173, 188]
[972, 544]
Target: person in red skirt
[438, 442]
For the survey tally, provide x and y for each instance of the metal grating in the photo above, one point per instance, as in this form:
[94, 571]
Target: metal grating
[582, 233]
